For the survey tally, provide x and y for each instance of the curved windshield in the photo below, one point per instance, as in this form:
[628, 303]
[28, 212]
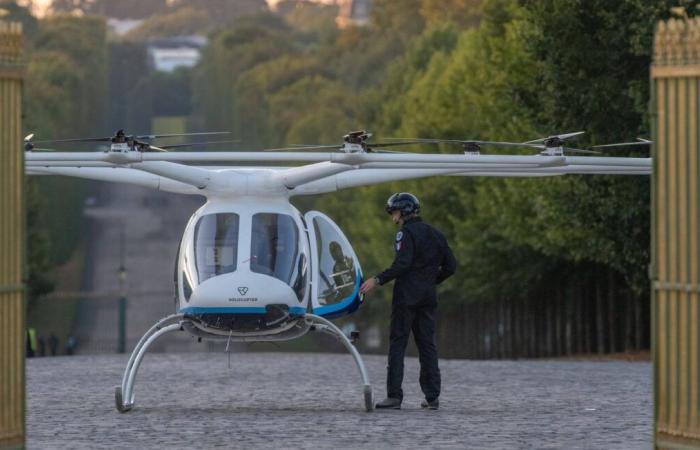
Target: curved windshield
[216, 245]
[274, 246]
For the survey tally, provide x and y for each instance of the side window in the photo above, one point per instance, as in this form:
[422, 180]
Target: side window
[177, 285]
[337, 271]
[300, 278]
[216, 245]
[186, 287]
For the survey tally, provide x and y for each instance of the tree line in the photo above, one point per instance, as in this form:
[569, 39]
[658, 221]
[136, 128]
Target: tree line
[548, 266]
[565, 257]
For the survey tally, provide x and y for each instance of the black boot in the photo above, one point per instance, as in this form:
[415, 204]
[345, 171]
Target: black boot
[389, 403]
[435, 404]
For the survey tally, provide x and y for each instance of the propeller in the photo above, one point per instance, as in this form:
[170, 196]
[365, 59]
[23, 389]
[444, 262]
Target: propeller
[557, 141]
[639, 141]
[193, 144]
[135, 142]
[29, 145]
[159, 136]
[559, 138]
[473, 146]
[353, 138]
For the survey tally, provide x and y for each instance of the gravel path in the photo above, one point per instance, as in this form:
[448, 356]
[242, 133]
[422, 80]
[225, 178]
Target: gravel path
[290, 400]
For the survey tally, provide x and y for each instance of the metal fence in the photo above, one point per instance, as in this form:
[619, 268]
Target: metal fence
[675, 242]
[12, 331]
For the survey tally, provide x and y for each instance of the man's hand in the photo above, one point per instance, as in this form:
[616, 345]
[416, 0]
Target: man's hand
[368, 285]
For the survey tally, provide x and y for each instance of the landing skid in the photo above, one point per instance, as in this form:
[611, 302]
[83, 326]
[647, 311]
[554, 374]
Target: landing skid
[124, 394]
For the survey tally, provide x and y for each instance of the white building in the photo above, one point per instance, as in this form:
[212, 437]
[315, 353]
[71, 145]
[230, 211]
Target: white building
[168, 54]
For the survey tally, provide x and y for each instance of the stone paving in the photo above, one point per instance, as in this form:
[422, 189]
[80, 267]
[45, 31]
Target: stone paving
[292, 400]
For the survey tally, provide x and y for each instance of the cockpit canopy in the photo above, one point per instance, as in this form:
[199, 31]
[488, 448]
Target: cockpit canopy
[226, 258]
[274, 250]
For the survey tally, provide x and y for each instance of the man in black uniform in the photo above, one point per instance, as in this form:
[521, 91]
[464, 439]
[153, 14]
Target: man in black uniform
[423, 260]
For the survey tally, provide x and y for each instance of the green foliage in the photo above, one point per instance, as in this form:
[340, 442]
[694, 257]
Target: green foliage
[81, 42]
[39, 264]
[172, 92]
[310, 17]
[181, 22]
[466, 13]
[64, 97]
[497, 69]
[223, 11]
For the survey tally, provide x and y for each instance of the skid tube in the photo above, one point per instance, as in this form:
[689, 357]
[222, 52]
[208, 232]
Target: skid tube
[324, 325]
[124, 394]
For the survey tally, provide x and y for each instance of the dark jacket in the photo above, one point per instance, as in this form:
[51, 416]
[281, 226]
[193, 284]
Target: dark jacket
[423, 260]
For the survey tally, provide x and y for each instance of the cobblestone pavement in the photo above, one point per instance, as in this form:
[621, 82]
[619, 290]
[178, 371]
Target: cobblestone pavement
[291, 400]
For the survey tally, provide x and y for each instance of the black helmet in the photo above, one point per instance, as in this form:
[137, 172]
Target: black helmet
[403, 201]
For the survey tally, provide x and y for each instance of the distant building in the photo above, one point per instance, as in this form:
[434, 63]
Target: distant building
[121, 27]
[353, 12]
[167, 54]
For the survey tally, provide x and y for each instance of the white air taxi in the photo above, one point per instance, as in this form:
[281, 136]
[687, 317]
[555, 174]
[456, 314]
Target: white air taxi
[250, 266]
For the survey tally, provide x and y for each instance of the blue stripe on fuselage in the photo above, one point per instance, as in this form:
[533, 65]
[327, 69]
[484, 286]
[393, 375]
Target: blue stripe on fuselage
[338, 309]
[294, 310]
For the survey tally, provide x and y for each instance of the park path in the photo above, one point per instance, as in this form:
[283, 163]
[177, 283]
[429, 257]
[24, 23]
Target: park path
[292, 400]
[153, 224]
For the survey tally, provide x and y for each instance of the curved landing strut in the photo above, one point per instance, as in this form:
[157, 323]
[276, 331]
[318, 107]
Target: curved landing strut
[126, 390]
[326, 326]
[124, 394]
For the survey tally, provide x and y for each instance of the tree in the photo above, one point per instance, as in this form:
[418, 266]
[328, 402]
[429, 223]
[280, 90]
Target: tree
[181, 22]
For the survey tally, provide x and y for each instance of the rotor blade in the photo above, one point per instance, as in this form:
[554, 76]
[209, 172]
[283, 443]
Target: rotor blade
[198, 143]
[296, 149]
[421, 140]
[158, 136]
[305, 145]
[373, 144]
[624, 144]
[578, 150]
[504, 144]
[41, 150]
[102, 139]
[371, 150]
[393, 144]
[468, 141]
[153, 148]
[560, 136]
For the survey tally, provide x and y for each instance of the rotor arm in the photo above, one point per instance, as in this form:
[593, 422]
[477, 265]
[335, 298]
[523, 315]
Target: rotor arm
[297, 176]
[194, 176]
[366, 177]
[117, 175]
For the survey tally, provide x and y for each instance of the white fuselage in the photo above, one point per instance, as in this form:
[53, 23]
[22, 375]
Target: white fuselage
[244, 267]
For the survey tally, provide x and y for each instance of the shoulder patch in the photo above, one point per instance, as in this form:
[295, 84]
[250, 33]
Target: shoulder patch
[399, 236]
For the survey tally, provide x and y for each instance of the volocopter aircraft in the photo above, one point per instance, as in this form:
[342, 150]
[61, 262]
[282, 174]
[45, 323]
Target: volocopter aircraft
[251, 267]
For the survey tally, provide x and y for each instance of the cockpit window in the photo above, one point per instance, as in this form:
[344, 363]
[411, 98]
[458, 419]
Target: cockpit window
[216, 244]
[274, 246]
[337, 271]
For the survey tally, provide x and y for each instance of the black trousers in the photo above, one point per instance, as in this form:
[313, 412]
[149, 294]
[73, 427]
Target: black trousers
[420, 319]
